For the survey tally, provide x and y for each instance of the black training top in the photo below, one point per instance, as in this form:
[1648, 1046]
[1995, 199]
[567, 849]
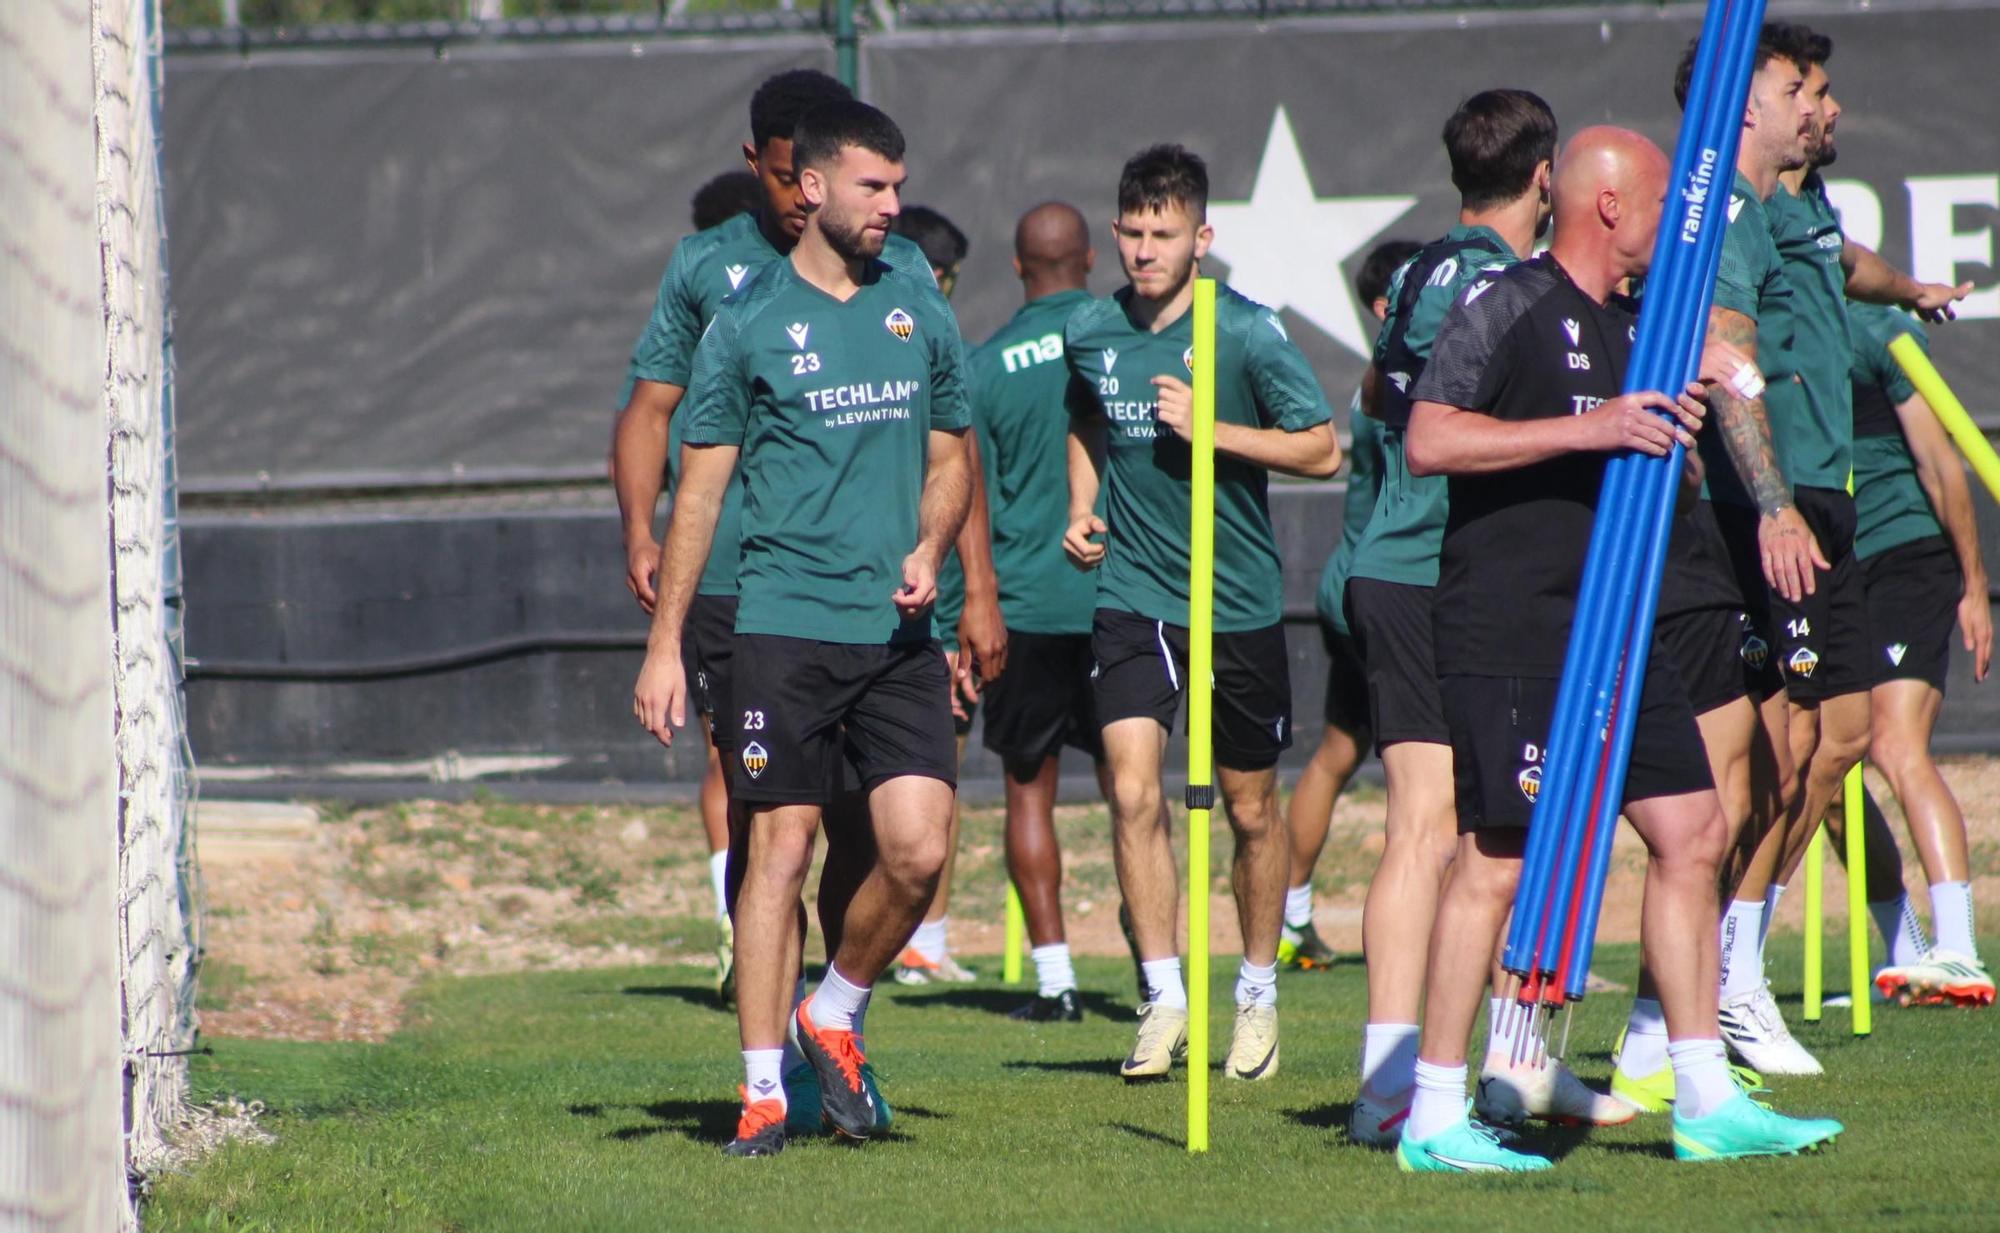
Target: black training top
[1525, 344]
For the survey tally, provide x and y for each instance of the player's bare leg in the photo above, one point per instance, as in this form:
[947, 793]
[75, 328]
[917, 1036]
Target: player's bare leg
[1309, 817]
[1142, 852]
[1257, 877]
[928, 958]
[1034, 863]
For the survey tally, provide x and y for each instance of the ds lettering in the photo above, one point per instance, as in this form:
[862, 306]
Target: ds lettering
[1579, 361]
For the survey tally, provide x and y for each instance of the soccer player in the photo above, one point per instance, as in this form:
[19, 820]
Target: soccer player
[1520, 407]
[1918, 544]
[1819, 625]
[645, 446]
[726, 196]
[837, 380]
[968, 612]
[1130, 406]
[1501, 144]
[1345, 739]
[1018, 380]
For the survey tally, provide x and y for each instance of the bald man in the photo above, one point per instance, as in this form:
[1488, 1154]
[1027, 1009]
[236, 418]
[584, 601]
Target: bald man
[1520, 407]
[1044, 701]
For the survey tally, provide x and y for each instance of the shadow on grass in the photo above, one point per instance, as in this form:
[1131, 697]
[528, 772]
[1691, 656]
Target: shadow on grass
[1107, 1067]
[694, 995]
[1151, 1136]
[703, 1121]
[1004, 1002]
[1324, 1117]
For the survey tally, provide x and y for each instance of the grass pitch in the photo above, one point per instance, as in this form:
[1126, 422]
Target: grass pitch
[597, 1099]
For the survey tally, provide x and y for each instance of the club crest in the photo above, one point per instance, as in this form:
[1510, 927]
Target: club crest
[755, 759]
[1530, 781]
[1802, 662]
[900, 323]
[1187, 359]
[1755, 651]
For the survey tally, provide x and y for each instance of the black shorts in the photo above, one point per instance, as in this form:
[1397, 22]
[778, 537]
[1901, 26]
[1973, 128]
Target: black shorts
[1913, 594]
[1346, 683]
[1392, 627]
[1043, 701]
[1822, 641]
[708, 638]
[1141, 666]
[797, 702]
[1720, 657]
[1499, 725]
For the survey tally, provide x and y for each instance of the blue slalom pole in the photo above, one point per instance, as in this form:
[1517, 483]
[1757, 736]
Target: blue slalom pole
[1598, 665]
[1715, 141]
[1595, 645]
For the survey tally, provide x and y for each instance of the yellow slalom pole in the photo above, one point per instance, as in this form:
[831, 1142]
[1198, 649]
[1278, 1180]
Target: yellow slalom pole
[1815, 923]
[1950, 411]
[1857, 903]
[1017, 930]
[1201, 786]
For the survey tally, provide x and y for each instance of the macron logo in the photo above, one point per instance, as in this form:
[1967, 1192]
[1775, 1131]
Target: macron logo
[736, 273]
[1110, 359]
[1897, 652]
[1735, 207]
[1571, 328]
[1478, 289]
[797, 332]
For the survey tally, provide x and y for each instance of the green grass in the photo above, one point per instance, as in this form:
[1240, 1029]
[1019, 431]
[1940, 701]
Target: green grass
[596, 1100]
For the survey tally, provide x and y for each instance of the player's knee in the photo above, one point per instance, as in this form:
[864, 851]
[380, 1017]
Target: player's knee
[915, 861]
[1696, 845]
[1135, 799]
[1897, 752]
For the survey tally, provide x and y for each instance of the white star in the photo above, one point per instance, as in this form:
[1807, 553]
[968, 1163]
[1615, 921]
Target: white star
[1284, 246]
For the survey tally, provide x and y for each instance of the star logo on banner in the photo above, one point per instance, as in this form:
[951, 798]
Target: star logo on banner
[1285, 245]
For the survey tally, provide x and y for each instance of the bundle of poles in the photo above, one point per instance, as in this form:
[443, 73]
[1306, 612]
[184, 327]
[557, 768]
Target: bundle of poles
[1589, 742]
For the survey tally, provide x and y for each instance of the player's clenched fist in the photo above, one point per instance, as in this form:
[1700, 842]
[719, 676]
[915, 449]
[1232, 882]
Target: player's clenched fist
[919, 589]
[1176, 407]
[1083, 551]
[659, 700]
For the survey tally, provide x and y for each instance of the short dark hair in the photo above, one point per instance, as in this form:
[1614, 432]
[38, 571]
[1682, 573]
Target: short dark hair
[1164, 175]
[1778, 40]
[943, 243]
[783, 100]
[1495, 140]
[828, 129]
[1380, 266]
[724, 197]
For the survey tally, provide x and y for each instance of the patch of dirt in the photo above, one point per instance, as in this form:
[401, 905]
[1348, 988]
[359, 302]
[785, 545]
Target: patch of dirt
[319, 920]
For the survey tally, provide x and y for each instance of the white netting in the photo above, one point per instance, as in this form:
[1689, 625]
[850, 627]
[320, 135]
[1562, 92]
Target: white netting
[61, 1165]
[154, 877]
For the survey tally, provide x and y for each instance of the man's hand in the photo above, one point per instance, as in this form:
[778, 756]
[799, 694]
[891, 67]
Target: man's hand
[642, 568]
[1176, 406]
[1634, 422]
[660, 698]
[919, 589]
[1975, 621]
[1790, 553]
[1084, 552]
[1933, 301]
[964, 685]
[982, 631]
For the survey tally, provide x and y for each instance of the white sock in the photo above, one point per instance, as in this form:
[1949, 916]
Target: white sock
[1439, 1102]
[1053, 971]
[1256, 986]
[1645, 1048]
[1163, 982]
[928, 940]
[1773, 895]
[1702, 1082]
[1388, 1059]
[718, 877]
[1951, 916]
[764, 1075]
[860, 1029]
[836, 1000]
[1298, 910]
[944, 935]
[1506, 1029]
[793, 1058]
[1742, 947]
[1897, 919]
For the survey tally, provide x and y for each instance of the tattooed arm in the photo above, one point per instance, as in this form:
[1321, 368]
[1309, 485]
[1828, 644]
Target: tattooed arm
[1785, 542]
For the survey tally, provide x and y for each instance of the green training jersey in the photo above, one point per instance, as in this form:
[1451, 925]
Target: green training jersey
[1406, 531]
[833, 403]
[1809, 240]
[1017, 380]
[1364, 485]
[1751, 280]
[1262, 381]
[706, 268]
[1890, 505]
